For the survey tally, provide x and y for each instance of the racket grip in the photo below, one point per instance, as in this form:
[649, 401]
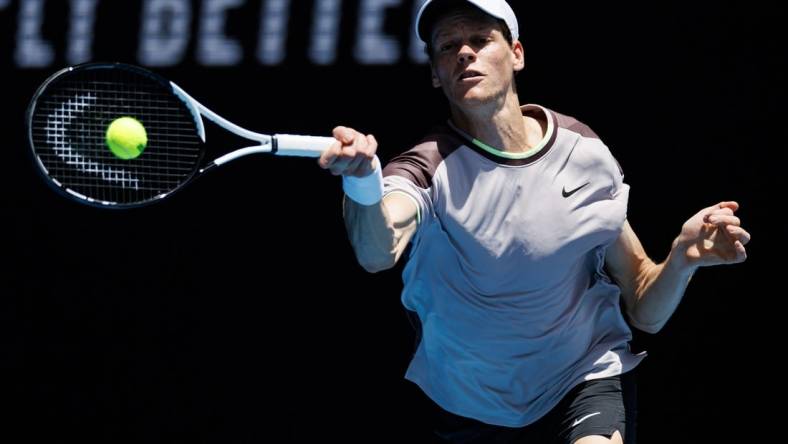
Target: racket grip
[302, 146]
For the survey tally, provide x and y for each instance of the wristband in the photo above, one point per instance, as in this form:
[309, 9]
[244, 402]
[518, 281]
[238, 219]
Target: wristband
[367, 190]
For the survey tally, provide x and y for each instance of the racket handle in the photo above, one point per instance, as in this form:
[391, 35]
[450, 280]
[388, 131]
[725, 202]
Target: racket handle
[303, 146]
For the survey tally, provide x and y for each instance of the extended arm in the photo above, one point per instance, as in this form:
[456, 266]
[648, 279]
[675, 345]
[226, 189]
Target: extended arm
[378, 231]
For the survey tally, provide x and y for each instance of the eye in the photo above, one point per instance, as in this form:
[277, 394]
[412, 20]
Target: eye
[445, 46]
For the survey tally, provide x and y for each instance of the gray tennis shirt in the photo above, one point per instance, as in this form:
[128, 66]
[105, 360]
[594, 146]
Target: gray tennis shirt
[505, 270]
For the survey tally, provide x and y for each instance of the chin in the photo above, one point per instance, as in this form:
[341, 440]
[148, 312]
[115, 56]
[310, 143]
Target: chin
[473, 100]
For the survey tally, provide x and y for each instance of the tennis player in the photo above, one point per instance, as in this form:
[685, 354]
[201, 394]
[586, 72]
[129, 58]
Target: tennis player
[520, 251]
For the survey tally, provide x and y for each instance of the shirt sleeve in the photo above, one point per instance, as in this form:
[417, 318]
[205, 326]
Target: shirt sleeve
[411, 174]
[620, 189]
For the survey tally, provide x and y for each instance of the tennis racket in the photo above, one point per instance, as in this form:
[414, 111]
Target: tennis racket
[69, 116]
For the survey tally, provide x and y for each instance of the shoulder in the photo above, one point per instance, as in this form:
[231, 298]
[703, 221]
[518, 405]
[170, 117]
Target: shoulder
[594, 149]
[572, 124]
[419, 163]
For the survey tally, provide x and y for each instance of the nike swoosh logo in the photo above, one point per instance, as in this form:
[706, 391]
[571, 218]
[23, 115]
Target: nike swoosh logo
[578, 421]
[569, 193]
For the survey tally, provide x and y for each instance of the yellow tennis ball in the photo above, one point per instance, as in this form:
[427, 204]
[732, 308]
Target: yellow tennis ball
[126, 138]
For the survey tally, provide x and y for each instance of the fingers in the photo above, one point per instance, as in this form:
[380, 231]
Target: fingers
[725, 210]
[362, 163]
[732, 205]
[722, 216]
[739, 234]
[351, 155]
[741, 252]
[373, 143]
[372, 148]
[352, 150]
[344, 134]
[330, 155]
[728, 207]
[344, 137]
[722, 219]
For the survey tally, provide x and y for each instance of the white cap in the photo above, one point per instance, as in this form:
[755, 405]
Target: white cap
[496, 8]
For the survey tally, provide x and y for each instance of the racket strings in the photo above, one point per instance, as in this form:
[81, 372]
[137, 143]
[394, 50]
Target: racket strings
[69, 131]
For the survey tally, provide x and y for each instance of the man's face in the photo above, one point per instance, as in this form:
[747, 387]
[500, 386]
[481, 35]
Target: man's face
[471, 60]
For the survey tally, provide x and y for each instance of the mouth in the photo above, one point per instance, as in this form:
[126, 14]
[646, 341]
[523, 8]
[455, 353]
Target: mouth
[469, 75]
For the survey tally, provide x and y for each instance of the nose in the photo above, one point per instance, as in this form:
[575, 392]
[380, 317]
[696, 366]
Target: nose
[466, 54]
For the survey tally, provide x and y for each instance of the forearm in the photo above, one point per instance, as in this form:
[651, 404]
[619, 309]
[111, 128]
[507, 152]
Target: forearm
[376, 239]
[659, 291]
[651, 292]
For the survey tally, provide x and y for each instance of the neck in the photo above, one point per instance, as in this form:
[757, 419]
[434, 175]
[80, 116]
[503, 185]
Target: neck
[500, 124]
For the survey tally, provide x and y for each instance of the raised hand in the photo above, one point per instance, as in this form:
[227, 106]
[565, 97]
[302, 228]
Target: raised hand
[713, 236]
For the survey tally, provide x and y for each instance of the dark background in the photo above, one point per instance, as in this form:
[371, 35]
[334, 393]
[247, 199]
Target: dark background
[235, 312]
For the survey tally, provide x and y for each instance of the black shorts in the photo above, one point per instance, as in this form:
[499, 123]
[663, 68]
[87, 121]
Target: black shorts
[596, 407]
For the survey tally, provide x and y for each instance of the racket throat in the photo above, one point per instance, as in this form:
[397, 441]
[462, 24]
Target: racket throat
[229, 157]
[208, 167]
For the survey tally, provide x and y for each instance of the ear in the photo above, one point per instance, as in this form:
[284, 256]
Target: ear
[436, 83]
[518, 56]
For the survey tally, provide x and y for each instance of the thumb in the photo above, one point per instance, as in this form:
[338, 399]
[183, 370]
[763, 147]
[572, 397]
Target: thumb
[344, 135]
[729, 204]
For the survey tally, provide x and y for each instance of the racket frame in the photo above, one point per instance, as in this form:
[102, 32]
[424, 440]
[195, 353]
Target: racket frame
[277, 144]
